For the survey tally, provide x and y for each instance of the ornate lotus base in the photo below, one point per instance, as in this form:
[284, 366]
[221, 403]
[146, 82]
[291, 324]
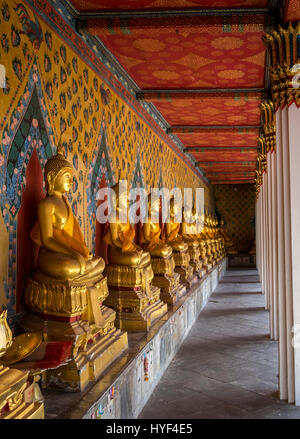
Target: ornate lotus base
[66, 311]
[183, 267]
[195, 260]
[13, 383]
[167, 280]
[205, 263]
[35, 410]
[133, 297]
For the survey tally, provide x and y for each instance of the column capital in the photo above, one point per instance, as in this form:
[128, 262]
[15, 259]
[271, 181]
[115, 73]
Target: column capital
[284, 49]
[268, 126]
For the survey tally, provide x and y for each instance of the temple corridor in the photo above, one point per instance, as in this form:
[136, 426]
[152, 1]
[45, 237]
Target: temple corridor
[227, 366]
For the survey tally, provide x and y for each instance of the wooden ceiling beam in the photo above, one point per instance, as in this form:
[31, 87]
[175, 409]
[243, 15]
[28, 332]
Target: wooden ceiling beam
[219, 148]
[166, 94]
[212, 163]
[233, 182]
[171, 13]
[196, 128]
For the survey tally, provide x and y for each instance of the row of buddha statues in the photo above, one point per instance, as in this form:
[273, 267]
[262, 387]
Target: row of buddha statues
[85, 306]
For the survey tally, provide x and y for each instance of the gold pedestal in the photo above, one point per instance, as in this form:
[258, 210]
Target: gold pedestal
[195, 261]
[13, 383]
[68, 311]
[205, 262]
[133, 297]
[88, 365]
[165, 278]
[183, 267]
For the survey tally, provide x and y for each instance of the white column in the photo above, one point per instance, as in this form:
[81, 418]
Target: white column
[266, 243]
[270, 246]
[263, 237]
[283, 387]
[288, 252]
[258, 235]
[294, 159]
[273, 220]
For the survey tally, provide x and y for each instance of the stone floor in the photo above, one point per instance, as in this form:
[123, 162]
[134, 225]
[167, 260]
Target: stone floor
[227, 366]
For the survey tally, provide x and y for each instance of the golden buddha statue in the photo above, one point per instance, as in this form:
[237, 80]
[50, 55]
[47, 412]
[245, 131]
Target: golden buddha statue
[229, 245]
[65, 294]
[63, 254]
[129, 273]
[120, 235]
[179, 246]
[213, 243]
[189, 235]
[162, 260]
[205, 250]
[151, 233]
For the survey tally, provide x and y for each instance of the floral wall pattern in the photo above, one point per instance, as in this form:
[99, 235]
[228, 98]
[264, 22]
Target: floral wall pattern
[236, 205]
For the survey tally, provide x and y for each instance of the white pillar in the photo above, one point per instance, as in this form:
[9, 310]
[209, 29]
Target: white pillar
[269, 285]
[266, 245]
[293, 114]
[273, 220]
[288, 252]
[282, 345]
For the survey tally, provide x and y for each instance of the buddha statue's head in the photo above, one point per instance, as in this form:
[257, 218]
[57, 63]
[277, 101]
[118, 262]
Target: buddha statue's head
[58, 174]
[153, 204]
[121, 198]
[189, 214]
[174, 207]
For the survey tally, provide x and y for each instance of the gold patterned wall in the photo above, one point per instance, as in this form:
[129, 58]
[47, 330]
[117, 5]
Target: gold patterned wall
[236, 205]
[53, 92]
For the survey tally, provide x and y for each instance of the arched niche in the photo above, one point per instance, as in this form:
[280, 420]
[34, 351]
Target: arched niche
[100, 175]
[27, 250]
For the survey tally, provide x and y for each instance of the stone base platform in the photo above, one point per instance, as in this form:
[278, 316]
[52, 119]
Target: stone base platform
[123, 390]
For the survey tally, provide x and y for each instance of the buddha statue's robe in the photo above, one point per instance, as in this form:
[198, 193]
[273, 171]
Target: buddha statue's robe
[127, 253]
[62, 266]
[70, 235]
[173, 238]
[152, 242]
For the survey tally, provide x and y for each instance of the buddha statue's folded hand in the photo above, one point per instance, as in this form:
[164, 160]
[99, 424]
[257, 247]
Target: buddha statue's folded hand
[82, 262]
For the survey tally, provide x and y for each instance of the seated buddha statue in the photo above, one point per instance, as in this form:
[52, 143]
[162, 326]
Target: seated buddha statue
[179, 247]
[172, 230]
[229, 245]
[151, 231]
[63, 254]
[189, 226]
[65, 295]
[189, 235]
[204, 241]
[120, 235]
[129, 272]
[161, 253]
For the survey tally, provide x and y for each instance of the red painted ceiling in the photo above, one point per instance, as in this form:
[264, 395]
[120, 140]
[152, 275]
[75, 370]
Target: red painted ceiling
[197, 71]
[203, 55]
[220, 137]
[210, 109]
[222, 156]
[292, 10]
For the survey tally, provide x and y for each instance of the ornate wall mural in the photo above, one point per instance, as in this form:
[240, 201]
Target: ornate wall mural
[236, 204]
